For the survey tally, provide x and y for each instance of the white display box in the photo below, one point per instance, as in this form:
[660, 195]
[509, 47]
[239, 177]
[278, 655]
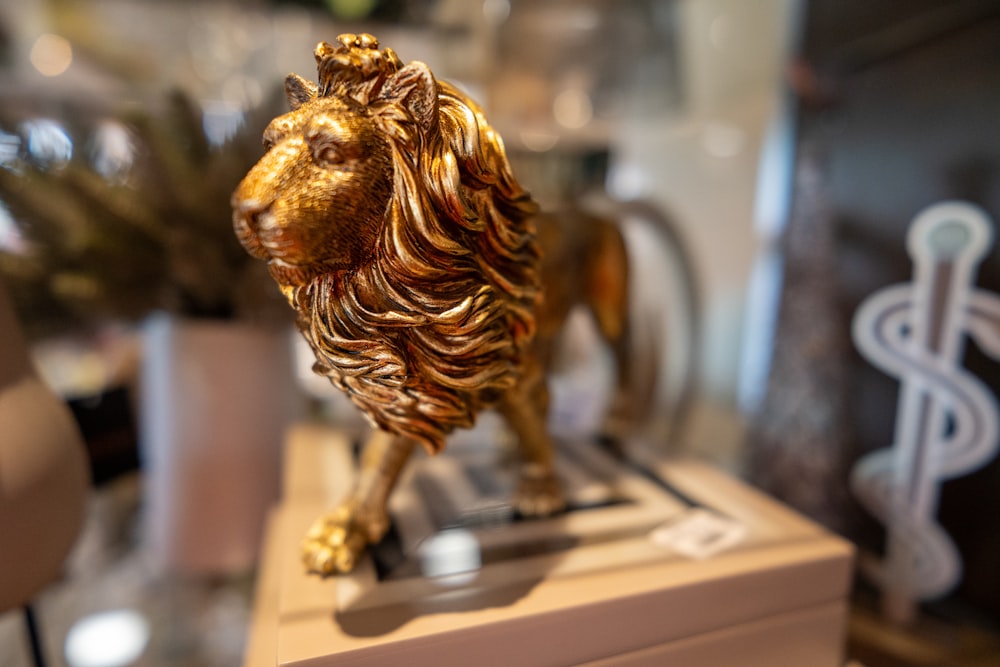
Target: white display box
[686, 566]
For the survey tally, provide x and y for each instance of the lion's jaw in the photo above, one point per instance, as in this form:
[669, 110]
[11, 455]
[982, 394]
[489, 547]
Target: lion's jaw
[316, 201]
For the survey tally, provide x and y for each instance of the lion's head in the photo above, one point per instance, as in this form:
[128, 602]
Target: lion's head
[387, 212]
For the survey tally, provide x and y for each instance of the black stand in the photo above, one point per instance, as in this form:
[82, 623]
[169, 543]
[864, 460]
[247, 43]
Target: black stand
[34, 637]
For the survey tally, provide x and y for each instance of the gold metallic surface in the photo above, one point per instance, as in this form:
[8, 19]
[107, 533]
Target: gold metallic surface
[387, 213]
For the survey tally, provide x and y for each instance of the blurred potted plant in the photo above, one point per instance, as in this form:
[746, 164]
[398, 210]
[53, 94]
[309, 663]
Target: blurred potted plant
[121, 231]
[142, 232]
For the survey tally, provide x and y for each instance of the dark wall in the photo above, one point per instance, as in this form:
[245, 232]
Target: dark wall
[901, 102]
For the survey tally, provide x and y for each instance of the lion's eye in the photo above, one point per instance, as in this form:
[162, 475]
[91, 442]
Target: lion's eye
[328, 153]
[333, 143]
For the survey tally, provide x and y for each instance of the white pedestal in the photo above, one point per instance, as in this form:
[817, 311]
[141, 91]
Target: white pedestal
[591, 587]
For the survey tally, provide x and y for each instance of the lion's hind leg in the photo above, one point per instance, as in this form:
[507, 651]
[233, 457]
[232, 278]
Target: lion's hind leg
[337, 540]
[606, 294]
[539, 492]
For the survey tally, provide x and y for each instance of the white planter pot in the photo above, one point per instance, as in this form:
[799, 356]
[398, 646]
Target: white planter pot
[216, 400]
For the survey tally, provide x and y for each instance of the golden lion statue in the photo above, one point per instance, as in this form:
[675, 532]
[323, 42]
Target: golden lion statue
[387, 213]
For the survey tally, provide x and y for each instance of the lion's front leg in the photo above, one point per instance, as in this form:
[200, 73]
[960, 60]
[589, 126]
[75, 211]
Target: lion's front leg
[539, 492]
[337, 540]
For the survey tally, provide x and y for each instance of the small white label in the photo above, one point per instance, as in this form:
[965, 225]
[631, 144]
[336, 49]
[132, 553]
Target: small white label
[699, 534]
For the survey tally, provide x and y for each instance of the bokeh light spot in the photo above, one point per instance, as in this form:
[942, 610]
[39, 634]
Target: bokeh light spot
[51, 54]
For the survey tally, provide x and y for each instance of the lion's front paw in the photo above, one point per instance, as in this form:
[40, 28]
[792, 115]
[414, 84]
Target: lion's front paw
[539, 493]
[336, 541]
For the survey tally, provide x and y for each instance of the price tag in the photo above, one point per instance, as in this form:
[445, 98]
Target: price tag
[699, 534]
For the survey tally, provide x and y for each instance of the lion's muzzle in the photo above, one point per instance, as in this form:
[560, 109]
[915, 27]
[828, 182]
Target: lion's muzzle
[245, 224]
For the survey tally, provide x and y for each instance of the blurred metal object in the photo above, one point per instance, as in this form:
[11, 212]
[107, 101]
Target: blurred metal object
[387, 213]
[567, 72]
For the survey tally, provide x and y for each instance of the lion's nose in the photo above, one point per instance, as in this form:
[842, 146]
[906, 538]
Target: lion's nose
[246, 224]
[248, 209]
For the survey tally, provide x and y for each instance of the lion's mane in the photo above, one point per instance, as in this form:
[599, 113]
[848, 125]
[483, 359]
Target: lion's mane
[435, 326]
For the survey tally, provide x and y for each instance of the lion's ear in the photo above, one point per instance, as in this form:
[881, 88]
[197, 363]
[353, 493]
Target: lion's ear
[298, 91]
[413, 87]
